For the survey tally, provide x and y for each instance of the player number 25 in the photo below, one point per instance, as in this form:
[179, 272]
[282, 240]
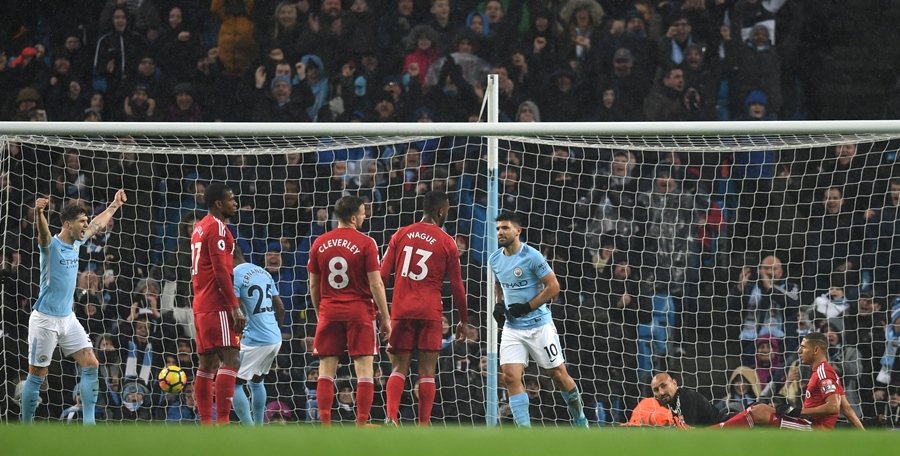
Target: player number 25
[423, 255]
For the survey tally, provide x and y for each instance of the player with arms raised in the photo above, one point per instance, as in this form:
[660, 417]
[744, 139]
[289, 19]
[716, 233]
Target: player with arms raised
[422, 254]
[52, 321]
[344, 278]
[526, 284]
[258, 294]
[823, 403]
[217, 317]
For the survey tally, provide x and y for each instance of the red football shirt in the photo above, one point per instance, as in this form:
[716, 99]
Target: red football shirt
[212, 266]
[822, 383]
[343, 257]
[420, 256]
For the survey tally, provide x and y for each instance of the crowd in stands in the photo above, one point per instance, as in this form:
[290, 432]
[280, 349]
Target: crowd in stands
[402, 60]
[661, 256]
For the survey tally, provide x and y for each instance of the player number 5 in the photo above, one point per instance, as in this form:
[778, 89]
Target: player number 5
[337, 275]
[424, 255]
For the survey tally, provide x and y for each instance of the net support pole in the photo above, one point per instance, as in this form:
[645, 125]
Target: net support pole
[492, 406]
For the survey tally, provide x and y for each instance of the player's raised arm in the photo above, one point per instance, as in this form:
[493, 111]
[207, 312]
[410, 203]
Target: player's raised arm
[41, 225]
[98, 224]
[376, 286]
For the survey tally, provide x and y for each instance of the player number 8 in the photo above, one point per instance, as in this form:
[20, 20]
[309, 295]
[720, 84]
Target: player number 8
[337, 273]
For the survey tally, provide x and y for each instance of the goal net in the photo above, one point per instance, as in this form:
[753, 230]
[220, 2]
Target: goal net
[705, 256]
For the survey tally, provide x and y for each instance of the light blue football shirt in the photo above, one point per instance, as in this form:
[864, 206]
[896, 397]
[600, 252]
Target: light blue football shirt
[59, 272]
[520, 277]
[255, 289]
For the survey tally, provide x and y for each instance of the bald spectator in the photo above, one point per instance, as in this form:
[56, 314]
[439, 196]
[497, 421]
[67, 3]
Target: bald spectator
[770, 304]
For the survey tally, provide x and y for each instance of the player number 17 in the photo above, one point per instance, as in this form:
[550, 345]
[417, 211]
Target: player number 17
[195, 257]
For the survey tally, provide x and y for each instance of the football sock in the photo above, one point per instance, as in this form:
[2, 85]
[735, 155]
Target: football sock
[258, 389]
[242, 405]
[741, 420]
[576, 407]
[395, 385]
[89, 389]
[519, 405]
[31, 395]
[365, 393]
[203, 395]
[225, 379]
[427, 390]
[325, 395]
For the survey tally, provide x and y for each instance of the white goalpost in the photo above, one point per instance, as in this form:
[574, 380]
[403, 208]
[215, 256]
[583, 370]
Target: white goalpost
[693, 248]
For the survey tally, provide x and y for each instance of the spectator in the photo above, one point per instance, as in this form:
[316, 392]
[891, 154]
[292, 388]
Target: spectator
[116, 52]
[864, 328]
[283, 32]
[185, 108]
[769, 362]
[236, 43]
[758, 68]
[392, 28]
[743, 390]
[583, 19]
[889, 370]
[666, 102]
[181, 407]
[770, 305]
[179, 47]
[280, 107]
[136, 402]
[27, 99]
[845, 360]
[421, 43]
[678, 37]
[138, 105]
[835, 233]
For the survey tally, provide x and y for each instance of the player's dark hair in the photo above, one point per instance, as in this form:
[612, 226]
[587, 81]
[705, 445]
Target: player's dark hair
[432, 201]
[215, 192]
[346, 207]
[819, 339]
[509, 216]
[72, 212]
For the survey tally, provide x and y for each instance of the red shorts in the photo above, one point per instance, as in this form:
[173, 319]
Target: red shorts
[356, 336]
[215, 330]
[406, 335]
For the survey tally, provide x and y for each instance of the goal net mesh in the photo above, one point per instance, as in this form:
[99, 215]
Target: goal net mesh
[707, 257]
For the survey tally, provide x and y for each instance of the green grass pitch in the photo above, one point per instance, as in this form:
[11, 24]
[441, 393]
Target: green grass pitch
[162, 440]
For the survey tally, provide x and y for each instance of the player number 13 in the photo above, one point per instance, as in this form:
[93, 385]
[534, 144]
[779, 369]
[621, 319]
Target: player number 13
[423, 255]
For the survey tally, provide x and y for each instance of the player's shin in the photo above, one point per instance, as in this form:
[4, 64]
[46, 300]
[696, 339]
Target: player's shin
[89, 388]
[242, 404]
[225, 379]
[427, 391]
[365, 393]
[575, 406]
[394, 388]
[258, 402]
[31, 395]
[325, 397]
[203, 395]
[519, 405]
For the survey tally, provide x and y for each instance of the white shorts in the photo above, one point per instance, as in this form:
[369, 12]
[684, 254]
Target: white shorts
[46, 331]
[541, 343]
[256, 360]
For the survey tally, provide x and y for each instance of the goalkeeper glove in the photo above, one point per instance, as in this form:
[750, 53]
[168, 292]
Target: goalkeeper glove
[519, 309]
[500, 313]
[787, 409]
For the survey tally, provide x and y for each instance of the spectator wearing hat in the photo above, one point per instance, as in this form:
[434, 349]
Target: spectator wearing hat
[758, 67]
[26, 100]
[138, 106]
[423, 51]
[453, 98]
[278, 107]
[562, 98]
[631, 87]
[28, 66]
[185, 108]
[313, 73]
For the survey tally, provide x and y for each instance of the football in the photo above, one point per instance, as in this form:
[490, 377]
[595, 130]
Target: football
[172, 379]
